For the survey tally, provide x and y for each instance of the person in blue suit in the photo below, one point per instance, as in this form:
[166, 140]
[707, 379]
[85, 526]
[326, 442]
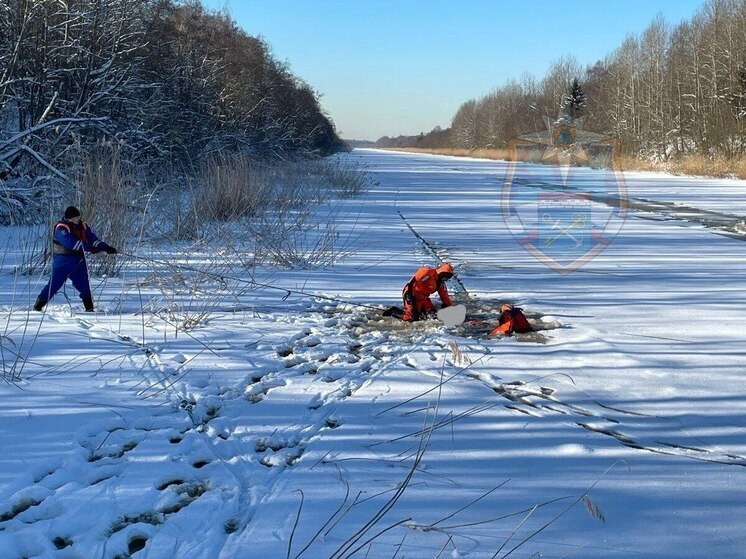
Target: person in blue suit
[71, 238]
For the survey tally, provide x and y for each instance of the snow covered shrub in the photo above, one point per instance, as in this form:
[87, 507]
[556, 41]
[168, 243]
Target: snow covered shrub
[281, 204]
[193, 283]
[338, 177]
[301, 239]
[105, 187]
[33, 249]
[24, 200]
[232, 187]
[236, 187]
[299, 229]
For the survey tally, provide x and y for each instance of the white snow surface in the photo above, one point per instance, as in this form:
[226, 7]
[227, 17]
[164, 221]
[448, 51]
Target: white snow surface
[298, 428]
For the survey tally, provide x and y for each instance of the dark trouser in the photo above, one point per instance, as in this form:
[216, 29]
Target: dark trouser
[394, 311]
[67, 266]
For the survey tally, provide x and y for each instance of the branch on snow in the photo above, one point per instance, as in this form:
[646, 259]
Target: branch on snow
[43, 162]
[50, 123]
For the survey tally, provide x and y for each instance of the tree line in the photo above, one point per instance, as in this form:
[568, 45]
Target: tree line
[669, 91]
[162, 80]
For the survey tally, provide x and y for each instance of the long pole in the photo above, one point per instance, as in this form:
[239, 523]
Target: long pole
[223, 277]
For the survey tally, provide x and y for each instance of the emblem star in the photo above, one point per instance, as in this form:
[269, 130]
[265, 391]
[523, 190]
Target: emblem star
[564, 142]
[566, 157]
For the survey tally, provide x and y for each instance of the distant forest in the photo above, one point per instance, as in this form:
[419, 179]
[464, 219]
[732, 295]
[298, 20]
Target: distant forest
[667, 92]
[159, 80]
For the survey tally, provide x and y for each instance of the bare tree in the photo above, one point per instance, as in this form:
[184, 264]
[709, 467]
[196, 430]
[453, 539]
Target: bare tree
[669, 92]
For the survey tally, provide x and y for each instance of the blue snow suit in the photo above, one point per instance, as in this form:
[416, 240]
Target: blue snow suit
[69, 240]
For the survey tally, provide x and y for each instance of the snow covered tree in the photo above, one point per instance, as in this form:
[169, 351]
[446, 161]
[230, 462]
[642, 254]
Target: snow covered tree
[739, 97]
[464, 125]
[669, 91]
[156, 78]
[575, 102]
[69, 76]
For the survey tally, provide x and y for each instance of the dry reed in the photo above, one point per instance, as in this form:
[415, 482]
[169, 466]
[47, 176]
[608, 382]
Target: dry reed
[718, 166]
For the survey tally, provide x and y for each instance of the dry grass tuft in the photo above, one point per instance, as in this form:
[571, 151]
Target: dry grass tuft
[593, 509]
[458, 356]
[694, 164]
[237, 188]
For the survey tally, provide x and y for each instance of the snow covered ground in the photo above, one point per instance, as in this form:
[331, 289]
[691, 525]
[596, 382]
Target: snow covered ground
[309, 428]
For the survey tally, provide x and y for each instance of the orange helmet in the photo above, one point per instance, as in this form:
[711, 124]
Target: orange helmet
[505, 308]
[445, 268]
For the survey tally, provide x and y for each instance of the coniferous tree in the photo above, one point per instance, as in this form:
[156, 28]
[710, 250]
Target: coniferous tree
[575, 102]
[670, 91]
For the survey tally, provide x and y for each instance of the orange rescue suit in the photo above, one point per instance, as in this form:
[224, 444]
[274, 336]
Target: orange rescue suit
[512, 320]
[417, 291]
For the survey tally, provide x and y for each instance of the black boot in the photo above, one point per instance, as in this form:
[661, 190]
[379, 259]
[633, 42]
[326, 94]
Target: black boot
[396, 312]
[88, 303]
[39, 305]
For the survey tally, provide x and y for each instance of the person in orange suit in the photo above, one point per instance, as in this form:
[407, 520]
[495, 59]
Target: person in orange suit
[511, 320]
[417, 291]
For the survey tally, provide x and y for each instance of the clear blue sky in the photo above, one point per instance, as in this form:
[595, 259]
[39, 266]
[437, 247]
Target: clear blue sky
[390, 67]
